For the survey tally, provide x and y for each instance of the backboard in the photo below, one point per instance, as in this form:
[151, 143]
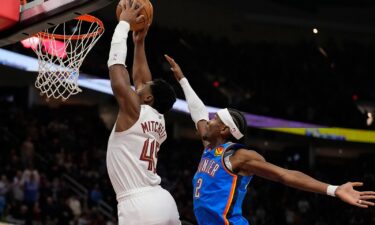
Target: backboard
[37, 15]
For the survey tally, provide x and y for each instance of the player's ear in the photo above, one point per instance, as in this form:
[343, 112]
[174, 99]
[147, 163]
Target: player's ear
[224, 131]
[148, 99]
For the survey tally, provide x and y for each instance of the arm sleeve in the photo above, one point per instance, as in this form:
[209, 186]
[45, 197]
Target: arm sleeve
[117, 54]
[196, 107]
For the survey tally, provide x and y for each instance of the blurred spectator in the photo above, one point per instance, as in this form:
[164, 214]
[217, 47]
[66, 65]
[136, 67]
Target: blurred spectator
[27, 153]
[96, 194]
[2, 205]
[65, 214]
[75, 206]
[31, 187]
[17, 187]
[4, 185]
[50, 211]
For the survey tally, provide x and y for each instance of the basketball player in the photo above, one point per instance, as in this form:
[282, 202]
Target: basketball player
[138, 132]
[226, 168]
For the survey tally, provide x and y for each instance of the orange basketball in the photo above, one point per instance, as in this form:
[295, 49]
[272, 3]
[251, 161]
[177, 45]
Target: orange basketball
[147, 11]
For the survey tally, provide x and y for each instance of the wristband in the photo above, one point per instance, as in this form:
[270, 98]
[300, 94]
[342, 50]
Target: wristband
[331, 189]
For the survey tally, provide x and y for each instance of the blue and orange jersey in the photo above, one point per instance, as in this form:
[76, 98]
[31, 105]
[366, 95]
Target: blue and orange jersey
[218, 193]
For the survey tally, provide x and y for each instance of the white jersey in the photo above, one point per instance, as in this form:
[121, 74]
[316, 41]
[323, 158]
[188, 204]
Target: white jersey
[132, 154]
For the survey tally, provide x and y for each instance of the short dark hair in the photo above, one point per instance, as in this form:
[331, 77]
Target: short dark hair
[164, 96]
[240, 121]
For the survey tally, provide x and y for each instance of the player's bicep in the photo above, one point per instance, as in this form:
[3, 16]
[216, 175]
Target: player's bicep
[249, 163]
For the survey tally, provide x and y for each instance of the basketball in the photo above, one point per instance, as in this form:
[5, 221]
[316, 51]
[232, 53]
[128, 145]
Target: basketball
[147, 11]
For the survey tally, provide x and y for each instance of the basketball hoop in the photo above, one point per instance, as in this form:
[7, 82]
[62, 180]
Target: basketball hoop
[59, 64]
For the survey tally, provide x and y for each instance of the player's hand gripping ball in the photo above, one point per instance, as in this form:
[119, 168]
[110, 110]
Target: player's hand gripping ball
[147, 12]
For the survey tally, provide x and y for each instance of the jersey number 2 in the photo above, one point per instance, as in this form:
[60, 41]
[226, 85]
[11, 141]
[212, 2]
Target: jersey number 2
[149, 153]
[198, 186]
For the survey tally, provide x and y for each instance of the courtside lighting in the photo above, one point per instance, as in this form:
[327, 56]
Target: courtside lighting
[52, 47]
[27, 63]
[370, 119]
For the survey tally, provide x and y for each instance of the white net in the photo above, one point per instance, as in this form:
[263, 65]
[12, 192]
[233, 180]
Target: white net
[61, 56]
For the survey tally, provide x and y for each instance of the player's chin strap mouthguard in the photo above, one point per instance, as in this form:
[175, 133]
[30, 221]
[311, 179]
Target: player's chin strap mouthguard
[228, 121]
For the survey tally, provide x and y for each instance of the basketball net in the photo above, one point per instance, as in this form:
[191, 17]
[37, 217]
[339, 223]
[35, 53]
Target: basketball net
[59, 64]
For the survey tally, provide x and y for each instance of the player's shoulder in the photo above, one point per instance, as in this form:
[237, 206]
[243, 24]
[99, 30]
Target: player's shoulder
[147, 109]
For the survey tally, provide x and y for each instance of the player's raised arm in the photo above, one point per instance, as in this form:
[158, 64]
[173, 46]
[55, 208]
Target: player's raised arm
[247, 163]
[141, 71]
[120, 82]
[198, 111]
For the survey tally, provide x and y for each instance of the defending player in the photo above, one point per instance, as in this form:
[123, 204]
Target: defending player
[138, 132]
[226, 168]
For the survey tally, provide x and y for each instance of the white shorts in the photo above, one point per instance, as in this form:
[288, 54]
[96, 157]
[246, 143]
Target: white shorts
[147, 206]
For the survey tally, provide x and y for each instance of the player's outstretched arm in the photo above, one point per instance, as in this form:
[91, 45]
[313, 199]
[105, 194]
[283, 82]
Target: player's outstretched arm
[198, 111]
[119, 76]
[247, 162]
[141, 71]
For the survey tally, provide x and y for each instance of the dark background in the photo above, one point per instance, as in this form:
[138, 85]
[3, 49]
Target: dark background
[257, 56]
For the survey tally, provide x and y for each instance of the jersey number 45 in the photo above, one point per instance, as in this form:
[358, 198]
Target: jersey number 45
[149, 153]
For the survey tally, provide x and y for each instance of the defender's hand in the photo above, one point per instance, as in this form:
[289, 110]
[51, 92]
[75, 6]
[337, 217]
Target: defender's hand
[177, 72]
[360, 199]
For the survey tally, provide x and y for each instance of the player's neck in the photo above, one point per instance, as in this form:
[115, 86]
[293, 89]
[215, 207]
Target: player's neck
[217, 142]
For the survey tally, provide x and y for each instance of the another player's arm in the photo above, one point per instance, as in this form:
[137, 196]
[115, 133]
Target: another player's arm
[198, 111]
[141, 71]
[246, 162]
[120, 82]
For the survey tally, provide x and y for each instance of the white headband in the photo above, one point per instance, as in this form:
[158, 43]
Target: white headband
[228, 120]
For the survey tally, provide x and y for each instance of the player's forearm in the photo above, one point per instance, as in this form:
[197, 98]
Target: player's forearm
[196, 107]
[303, 182]
[141, 70]
[117, 56]
[118, 51]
